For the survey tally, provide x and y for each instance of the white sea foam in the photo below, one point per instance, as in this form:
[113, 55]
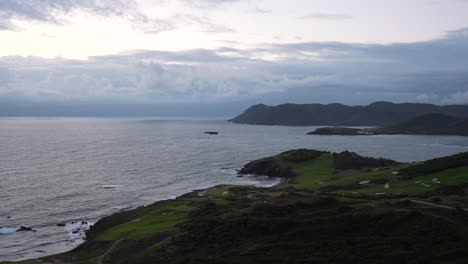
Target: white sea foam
[110, 165]
[7, 230]
[228, 171]
[76, 229]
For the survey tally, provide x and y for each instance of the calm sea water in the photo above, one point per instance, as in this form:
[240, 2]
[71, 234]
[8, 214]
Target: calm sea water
[56, 171]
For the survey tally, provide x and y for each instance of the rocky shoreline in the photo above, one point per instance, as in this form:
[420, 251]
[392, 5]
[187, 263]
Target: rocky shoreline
[220, 223]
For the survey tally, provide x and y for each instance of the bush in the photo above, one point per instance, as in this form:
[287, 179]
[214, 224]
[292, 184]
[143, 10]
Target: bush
[352, 186]
[350, 160]
[300, 155]
[435, 165]
[379, 181]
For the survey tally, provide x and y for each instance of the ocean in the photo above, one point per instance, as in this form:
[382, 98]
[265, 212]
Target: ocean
[60, 175]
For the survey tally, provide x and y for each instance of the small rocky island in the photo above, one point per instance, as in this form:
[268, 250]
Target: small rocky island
[344, 131]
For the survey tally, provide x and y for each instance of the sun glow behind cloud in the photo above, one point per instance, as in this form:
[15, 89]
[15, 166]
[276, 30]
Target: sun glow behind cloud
[79, 29]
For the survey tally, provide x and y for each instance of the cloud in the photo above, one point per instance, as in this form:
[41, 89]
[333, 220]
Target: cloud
[7, 25]
[203, 23]
[262, 11]
[209, 3]
[55, 11]
[433, 71]
[460, 97]
[49, 10]
[457, 98]
[327, 16]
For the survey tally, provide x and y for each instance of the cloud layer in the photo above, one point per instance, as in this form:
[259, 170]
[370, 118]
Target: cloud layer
[56, 12]
[327, 16]
[433, 71]
[51, 11]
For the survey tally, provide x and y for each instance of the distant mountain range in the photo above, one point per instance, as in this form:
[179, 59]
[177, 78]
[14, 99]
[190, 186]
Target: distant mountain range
[430, 124]
[375, 114]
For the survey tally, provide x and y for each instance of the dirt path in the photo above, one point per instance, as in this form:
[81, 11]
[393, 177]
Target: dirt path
[103, 256]
[436, 205]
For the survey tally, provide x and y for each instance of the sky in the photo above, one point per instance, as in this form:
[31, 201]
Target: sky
[219, 56]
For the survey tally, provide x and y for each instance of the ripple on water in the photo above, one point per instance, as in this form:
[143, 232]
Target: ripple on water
[57, 170]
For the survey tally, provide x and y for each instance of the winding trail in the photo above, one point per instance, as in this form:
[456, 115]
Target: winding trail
[436, 205]
[101, 258]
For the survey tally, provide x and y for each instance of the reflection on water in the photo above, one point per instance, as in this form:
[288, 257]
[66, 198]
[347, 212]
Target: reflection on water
[55, 171]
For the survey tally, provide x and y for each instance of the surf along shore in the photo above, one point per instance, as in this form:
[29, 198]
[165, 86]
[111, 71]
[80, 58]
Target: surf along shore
[329, 207]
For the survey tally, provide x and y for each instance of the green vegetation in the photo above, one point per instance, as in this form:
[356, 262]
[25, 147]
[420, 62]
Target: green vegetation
[324, 214]
[435, 165]
[348, 160]
[375, 114]
[294, 227]
[454, 176]
[315, 232]
[427, 124]
[299, 155]
[158, 220]
[220, 192]
[431, 182]
[311, 173]
[349, 172]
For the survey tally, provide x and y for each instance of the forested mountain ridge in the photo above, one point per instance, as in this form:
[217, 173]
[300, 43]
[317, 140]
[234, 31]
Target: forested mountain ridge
[375, 114]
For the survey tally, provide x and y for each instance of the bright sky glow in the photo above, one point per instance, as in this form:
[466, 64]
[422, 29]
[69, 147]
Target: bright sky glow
[180, 25]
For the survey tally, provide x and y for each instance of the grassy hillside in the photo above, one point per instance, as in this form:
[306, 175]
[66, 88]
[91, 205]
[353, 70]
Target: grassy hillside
[331, 209]
[348, 172]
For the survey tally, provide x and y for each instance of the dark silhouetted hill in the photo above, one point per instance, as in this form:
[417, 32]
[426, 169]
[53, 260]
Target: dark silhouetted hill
[375, 114]
[430, 124]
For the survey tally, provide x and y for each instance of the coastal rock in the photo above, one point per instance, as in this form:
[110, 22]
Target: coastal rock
[279, 166]
[61, 224]
[25, 229]
[271, 168]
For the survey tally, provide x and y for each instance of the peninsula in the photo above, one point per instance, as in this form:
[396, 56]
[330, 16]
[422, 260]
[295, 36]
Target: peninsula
[330, 208]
